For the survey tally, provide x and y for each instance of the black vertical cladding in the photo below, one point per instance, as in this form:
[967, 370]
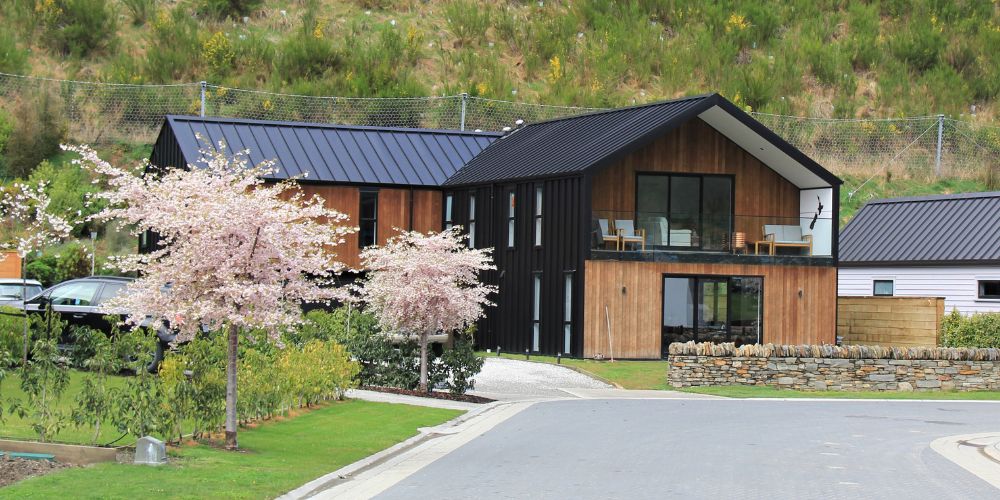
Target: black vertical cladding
[509, 323]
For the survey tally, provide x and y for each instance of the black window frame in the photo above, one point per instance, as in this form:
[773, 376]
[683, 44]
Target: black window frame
[449, 208]
[701, 196]
[362, 220]
[569, 283]
[892, 284]
[472, 219]
[538, 204]
[536, 311]
[729, 297]
[981, 289]
[511, 219]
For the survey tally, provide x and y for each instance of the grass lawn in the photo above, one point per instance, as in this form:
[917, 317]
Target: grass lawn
[16, 427]
[738, 391]
[628, 374]
[275, 457]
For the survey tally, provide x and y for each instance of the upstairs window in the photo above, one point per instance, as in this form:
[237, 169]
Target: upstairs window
[448, 202]
[472, 220]
[538, 216]
[510, 218]
[989, 289]
[882, 288]
[368, 218]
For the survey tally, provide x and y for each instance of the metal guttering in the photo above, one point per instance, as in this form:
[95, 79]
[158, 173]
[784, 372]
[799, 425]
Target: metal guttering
[962, 229]
[336, 153]
[570, 145]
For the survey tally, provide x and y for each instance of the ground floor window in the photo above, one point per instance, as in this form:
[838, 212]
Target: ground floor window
[536, 312]
[882, 288]
[712, 309]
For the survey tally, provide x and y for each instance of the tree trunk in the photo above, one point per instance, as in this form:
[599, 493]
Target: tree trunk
[231, 388]
[423, 362]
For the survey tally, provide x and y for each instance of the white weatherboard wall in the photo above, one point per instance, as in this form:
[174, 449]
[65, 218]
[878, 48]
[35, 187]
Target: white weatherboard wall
[958, 285]
[822, 232]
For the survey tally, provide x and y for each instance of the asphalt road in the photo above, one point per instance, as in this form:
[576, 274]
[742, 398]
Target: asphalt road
[712, 449]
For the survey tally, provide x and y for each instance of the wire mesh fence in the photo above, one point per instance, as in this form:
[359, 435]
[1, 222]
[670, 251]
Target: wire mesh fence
[102, 113]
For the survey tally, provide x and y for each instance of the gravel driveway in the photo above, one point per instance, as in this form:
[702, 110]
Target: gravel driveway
[508, 379]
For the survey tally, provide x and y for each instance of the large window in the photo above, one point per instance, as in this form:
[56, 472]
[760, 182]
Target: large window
[712, 309]
[368, 218]
[536, 311]
[685, 211]
[882, 288]
[510, 218]
[989, 289]
[472, 220]
[538, 216]
[567, 313]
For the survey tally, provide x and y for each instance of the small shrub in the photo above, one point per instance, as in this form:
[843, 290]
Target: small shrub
[77, 27]
[309, 53]
[172, 44]
[919, 44]
[12, 58]
[977, 330]
[467, 20]
[40, 127]
[229, 8]
[44, 380]
[141, 10]
[462, 364]
[218, 53]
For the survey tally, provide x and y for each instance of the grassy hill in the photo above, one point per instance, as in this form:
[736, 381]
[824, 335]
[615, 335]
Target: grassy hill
[806, 57]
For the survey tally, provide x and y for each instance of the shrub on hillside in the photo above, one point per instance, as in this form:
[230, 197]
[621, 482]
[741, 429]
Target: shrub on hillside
[229, 8]
[39, 127]
[141, 10]
[77, 27]
[919, 44]
[12, 58]
[172, 48]
[308, 53]
[977, 330]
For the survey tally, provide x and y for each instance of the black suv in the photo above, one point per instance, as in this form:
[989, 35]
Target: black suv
[78, 302]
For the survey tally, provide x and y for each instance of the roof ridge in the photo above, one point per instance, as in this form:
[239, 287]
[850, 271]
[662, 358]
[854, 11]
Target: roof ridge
[339, 126]
[618, 110]
[969, 195]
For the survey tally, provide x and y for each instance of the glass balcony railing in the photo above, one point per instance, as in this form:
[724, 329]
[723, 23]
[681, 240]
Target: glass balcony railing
[613, 231]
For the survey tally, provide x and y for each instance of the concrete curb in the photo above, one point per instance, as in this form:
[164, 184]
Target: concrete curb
[976, 453]
[426, 434]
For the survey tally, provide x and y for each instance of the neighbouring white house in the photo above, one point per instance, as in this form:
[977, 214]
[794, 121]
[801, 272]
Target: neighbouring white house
[929, 246]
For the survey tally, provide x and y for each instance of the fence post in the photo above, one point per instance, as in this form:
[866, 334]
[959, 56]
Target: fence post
[461, 120]
[940, 140]
[203, 85]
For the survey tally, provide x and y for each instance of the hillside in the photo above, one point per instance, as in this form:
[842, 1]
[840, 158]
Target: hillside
[805, 57]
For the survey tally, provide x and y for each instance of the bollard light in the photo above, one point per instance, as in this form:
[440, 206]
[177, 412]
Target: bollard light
[558, 358]
[527, 355]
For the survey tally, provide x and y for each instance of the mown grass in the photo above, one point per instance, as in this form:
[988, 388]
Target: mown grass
[650, 374]
[275, 457]
[737, 391]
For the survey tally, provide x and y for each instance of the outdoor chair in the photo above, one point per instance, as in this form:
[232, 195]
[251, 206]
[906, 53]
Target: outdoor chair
[607, 235]
[786, 236]
[628, 234]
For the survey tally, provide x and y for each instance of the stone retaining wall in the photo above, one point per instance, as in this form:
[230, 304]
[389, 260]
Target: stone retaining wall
[691, 365]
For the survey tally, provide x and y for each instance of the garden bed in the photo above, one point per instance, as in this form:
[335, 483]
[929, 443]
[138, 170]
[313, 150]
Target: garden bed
[13, 470]
[465, 398]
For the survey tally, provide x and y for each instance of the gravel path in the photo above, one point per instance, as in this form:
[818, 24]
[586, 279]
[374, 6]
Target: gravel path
[507, 379]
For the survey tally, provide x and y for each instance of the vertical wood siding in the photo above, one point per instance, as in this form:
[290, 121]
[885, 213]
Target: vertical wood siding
[10, 265]
[633, 294]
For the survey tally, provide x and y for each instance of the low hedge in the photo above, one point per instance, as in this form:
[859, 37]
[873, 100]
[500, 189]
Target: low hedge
[977, 330]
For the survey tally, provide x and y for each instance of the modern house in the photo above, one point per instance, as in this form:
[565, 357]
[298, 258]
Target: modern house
[928, 246]
[614, 233]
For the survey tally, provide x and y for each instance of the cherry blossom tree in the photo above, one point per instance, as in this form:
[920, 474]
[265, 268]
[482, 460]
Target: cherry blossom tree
[419, 284]
[34, 226]
[238, 254]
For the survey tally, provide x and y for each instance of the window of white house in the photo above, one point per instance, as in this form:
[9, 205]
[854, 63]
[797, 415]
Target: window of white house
[510, 219]
[989, 289]
[448, 201]
[472, 220]
[567, 312]
[538, 216]
[882, 288]
[536, 313]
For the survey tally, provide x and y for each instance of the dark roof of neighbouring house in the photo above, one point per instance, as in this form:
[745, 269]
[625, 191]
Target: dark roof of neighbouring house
[954, 229]
[565, 146]
[336, 153]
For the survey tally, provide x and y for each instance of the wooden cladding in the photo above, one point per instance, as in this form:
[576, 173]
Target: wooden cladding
[408, 209]
[10, 265]
[890, 321]
[697, 148]
[800, 304]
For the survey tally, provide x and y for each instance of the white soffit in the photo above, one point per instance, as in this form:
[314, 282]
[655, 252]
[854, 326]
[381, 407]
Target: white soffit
[729, 126]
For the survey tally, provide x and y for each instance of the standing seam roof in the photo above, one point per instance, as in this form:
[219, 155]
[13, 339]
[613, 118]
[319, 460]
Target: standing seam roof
[336, 153]
[942, 229]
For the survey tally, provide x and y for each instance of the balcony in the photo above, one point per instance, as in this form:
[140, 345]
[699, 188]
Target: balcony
[653, 236]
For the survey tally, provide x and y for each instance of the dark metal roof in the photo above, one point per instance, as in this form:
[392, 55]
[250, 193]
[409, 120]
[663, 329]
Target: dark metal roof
[565, 146]
[336, 153]
[955, 229]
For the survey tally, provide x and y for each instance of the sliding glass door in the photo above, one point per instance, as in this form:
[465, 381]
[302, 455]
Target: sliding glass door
[712, 309]
[684, 211]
